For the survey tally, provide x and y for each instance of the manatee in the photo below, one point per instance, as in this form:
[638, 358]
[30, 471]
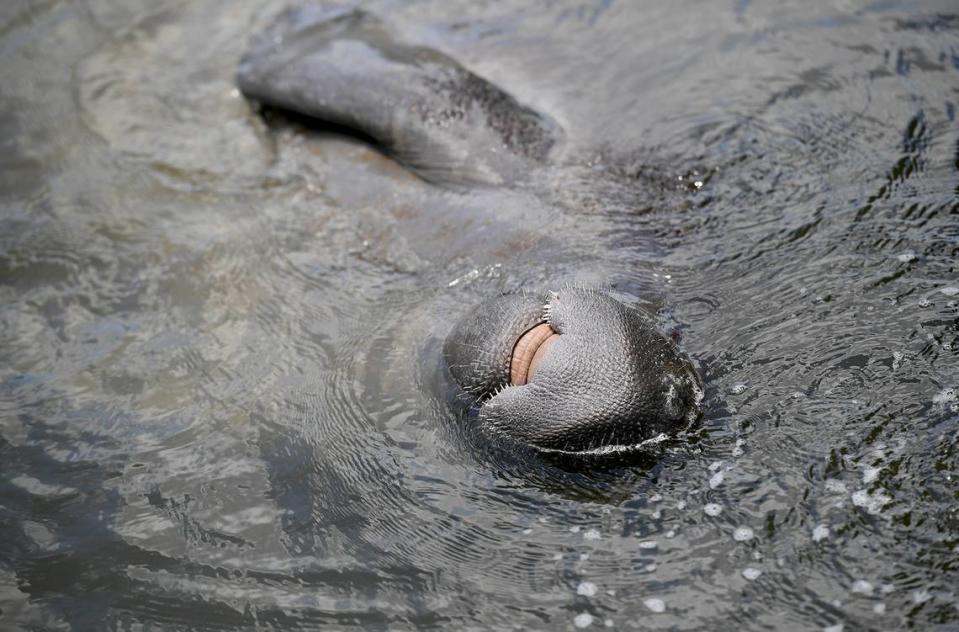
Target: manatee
[560, 370]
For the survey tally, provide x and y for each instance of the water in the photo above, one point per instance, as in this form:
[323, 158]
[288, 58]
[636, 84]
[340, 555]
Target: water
[220, 392]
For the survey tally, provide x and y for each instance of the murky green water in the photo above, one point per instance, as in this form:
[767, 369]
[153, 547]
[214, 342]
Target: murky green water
[220, 402]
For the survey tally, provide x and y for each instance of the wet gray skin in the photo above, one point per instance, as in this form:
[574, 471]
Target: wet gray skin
[342, 66]
[611, 382]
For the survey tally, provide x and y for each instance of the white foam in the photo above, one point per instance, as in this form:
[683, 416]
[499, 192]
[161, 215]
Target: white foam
[751, 573]
[592, 534]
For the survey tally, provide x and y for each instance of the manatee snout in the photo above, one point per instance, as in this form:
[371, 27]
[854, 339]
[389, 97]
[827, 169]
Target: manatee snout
[572, 371]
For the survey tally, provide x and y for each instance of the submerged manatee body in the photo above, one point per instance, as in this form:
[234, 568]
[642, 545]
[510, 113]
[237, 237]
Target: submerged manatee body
[571, 371]
[342, 66]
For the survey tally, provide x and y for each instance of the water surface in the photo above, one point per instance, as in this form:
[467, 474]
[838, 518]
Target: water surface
[220, 391]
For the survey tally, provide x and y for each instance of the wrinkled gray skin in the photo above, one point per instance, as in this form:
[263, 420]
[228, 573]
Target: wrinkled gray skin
[611, 382]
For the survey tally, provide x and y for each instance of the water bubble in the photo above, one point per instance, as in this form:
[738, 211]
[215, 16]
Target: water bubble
[657, 514]
[574, 529]
[833, 628]
[879, 608]
[592, 534]
[681, 505]
[655, 498]
[861, 587]
[586, 589]
[897, 358]
[949, 290]
[906, 257]
[920, 596]
[583, 620]
[869, 474]
[716, 480]
[655, 605]
[715, 465]
[739, 387]
[820, 533]
[742, 534]
[527, 531]
[712, 509]
[608, 623]
[751, 573]
[649, 568]
[924, 302]
[835, 485]
[887, 588]
[648, 544]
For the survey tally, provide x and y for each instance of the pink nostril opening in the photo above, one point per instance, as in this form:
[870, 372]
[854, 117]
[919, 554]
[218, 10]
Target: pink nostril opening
[529, 352]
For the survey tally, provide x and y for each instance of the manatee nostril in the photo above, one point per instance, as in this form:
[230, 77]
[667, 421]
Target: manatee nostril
[528, 352]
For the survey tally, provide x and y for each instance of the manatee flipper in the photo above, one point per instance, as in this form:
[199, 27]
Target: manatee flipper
[447, 124]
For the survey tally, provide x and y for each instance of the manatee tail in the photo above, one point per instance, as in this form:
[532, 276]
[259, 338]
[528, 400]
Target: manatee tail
[445, 123]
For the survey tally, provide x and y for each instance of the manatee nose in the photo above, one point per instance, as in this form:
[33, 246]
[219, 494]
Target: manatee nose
[529, 351]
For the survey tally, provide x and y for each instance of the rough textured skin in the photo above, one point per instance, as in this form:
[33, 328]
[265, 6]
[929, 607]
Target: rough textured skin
[610, 383]
[478, 350]
[342, 66]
